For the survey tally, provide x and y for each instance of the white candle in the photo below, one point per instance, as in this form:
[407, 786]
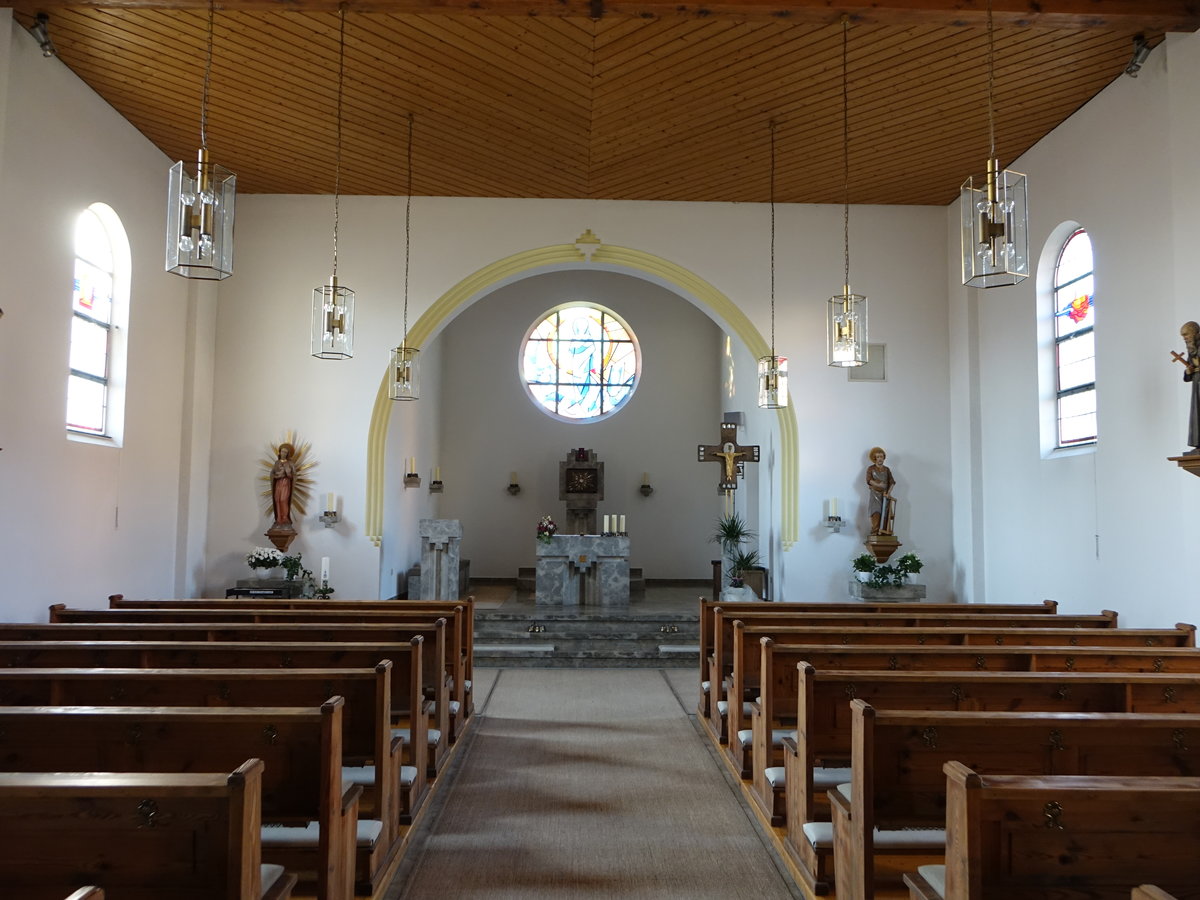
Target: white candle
[645, 478]
[412, 465]
[606, 529]
[621, 527]
[833, 508]
[512, 477]
[329, 502]
[437, 473]
[324, 570]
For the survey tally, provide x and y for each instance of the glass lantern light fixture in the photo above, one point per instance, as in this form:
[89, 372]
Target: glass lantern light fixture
[200, 205]
[772, 370]
[332, 333]
[994, 211]
[846, 313]
[404, 380]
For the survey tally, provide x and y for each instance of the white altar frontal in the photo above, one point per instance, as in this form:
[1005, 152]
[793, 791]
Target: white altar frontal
[576, 570]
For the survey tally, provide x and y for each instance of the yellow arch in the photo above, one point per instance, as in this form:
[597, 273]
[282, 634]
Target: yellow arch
[684, 282]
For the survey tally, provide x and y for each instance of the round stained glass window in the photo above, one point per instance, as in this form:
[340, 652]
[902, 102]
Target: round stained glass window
[580, 362]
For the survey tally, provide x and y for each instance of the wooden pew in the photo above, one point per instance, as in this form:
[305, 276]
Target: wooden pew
[1046, 607]
[438, 634]
[723, 617]
[143, 836]
[817, 757]
[371, 755]
[300, 747]
[744, 680]
[1067, 837]
[264, 654]
[460, 613]
[896, 804]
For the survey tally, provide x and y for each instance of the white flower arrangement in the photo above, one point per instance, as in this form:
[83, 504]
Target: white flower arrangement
[264, 558]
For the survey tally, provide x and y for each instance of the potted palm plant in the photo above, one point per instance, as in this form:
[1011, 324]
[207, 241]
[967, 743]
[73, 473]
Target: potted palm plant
[732, 533]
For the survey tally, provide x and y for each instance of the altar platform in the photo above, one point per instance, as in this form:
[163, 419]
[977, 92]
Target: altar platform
[660, 629]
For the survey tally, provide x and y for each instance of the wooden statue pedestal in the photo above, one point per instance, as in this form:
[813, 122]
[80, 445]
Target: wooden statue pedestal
[882, 546]
[1187, 463]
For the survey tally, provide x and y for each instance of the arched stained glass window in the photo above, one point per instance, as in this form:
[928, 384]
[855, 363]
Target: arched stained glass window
[580, 362]
[99, 310]
[1075, 342]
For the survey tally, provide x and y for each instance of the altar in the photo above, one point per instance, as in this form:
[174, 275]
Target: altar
[576, 570]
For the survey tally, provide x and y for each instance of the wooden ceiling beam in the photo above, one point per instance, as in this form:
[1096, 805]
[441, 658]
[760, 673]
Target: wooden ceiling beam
[1154, 15]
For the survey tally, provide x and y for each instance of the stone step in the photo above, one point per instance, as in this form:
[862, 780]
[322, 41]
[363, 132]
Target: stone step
[527, 578]
[555, 656]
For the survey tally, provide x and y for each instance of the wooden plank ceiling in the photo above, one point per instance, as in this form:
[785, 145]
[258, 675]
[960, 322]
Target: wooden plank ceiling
[629, 106]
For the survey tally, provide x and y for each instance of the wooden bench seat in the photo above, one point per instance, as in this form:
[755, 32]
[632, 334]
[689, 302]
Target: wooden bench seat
[460, 639]
[895, 802]
[717, 667]
[393, 791]
[1066, 837]
[187, 836]
[743, 679]
[265, 655]
[310, 822]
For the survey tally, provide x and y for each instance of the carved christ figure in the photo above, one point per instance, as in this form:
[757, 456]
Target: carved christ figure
[727, 453]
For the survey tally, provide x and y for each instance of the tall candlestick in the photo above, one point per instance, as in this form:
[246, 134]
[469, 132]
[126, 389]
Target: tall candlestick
[324, 570]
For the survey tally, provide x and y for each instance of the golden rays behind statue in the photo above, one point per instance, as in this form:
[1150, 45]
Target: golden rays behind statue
[287, 486]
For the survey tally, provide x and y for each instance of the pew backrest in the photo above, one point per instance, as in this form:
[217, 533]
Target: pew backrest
[190, 836]
[1085, 836]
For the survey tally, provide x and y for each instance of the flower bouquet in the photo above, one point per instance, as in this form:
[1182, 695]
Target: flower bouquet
[262, 559]
[546, 529]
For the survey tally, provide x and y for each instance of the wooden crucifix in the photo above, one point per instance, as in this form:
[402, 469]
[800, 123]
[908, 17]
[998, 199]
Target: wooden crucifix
[730, 454]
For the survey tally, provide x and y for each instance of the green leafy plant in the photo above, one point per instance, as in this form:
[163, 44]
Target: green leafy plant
[883, 575]
[292, 566]
[732, 532]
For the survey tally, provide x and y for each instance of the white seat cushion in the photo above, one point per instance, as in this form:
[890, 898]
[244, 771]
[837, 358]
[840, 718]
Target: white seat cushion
[364, 775]
[779, 734]
[269, 874]
[775, 777]
[467, 683]
[820, 835]
[433, 736]
[308, 835]
[824, 779]
[936, 876]
[745, 737]
[705, 685]
[722, 707]
[454, 708]
[408, 775]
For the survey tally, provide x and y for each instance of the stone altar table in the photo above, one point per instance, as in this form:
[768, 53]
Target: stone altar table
[583, 570]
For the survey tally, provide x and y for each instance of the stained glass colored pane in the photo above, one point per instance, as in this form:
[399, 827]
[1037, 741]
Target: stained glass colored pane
[1074, 307]
[539, 366]
[85, 405]
[580, 362]
[89, 347]
[92, 292]
[1077, 418]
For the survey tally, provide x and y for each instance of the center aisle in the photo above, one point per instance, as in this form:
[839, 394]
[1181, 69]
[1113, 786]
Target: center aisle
[588, 783]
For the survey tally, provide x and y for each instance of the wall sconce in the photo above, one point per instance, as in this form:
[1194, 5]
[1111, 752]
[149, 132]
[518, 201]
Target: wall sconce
[411, 478]
[435, 486]
[330, 517]
[513, 487]
[1141, 52]
[41, 34]
[833, 521]
[646, 489]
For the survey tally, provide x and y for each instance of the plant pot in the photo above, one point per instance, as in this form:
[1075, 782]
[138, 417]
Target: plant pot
[262, 573]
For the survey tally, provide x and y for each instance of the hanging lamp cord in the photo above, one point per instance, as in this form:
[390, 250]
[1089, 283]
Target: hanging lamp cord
[772, 240]
[991, 85]
[337, 166]
[207, 80]
[408, 225]
[845, 155]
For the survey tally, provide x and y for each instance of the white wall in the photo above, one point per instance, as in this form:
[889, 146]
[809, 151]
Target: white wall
[267, 386]
[82, 520]
[1103, 528]
[491, 428]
